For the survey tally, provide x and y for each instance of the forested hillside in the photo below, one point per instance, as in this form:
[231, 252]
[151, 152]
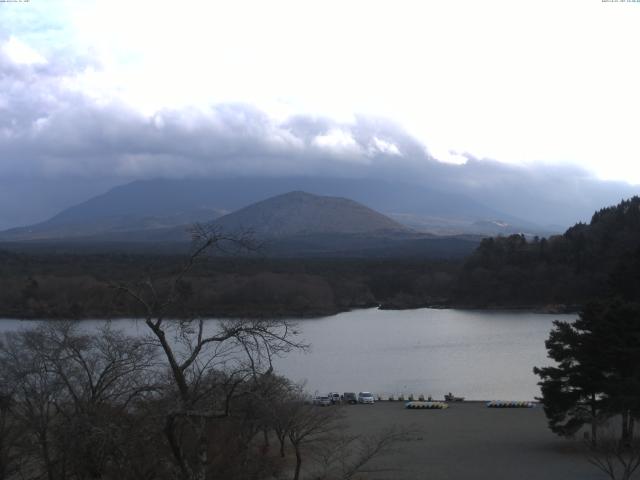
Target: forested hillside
[587, 261]
[565, 271]
[79, 286]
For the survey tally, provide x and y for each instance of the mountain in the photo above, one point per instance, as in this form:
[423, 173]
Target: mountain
[301, 213]
[294, 224]
[165, 203]
[299, 224]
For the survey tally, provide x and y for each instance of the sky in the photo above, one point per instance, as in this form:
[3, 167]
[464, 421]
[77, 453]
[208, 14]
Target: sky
[108, 91]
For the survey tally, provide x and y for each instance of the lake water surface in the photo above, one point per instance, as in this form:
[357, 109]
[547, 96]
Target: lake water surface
[481, 355]
[477, 354]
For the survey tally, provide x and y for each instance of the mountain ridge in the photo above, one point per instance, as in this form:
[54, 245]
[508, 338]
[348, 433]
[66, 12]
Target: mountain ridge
[174, 202]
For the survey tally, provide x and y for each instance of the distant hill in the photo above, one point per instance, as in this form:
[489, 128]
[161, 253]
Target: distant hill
[294, 224]
[165, 203]
[300, 224]
[115, 227]
[301, 213]
[588, 261]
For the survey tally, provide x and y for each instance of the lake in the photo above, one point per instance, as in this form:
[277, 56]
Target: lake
[480, 355]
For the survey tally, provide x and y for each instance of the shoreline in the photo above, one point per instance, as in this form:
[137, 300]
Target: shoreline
[538, 309]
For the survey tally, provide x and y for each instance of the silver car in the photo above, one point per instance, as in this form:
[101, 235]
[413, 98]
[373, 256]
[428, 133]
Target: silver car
[366, 397]
[322, 401]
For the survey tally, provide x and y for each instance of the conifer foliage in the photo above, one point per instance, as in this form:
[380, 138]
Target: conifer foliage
[597, 371]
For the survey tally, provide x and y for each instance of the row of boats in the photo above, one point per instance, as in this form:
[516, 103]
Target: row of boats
[419, 404]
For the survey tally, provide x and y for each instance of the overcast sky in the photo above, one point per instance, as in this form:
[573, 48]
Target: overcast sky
[97, 89]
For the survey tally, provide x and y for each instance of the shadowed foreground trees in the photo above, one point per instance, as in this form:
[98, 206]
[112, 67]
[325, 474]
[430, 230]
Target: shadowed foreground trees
[598, 370]
[572, 391]
[191, 399]
[10, 435]
[102, 405]
[69, 395]
[597, 381]
[192, 351]
[616, 459]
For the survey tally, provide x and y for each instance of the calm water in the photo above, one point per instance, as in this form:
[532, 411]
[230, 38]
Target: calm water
[476, 354]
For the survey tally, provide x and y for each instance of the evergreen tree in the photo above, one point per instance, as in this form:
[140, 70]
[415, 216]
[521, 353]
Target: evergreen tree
[598, 369]
[617, 327]
[572, 391]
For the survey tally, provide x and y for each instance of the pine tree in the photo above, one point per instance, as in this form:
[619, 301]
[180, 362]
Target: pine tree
[572, 391]
[598, 369]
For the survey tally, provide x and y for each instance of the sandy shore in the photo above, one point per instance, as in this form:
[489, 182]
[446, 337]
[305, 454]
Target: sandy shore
[470, 441]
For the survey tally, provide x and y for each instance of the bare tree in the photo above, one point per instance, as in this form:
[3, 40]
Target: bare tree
[308, 425]
[103, 367]
[346, 457]
[281, 416]
[10, 436]
[193, 348]
[35, 391]
[102, 374]
[69, 392]
[618, 458]
[280, 411]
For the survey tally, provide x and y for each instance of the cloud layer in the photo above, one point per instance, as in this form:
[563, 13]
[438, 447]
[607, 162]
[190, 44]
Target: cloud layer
[49, 128]
[54, 133]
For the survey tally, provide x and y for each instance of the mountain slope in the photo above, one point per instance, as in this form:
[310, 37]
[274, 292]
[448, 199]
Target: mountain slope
[163, 203]
[300, 213]
[295, 224]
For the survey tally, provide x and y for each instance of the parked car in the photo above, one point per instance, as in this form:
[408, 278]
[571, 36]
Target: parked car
[322, 401]
[365, 397]
[349, 397]
[334, 397]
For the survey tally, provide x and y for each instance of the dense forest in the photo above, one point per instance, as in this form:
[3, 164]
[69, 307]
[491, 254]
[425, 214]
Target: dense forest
[588, 261]
[592, 260]
[80, 286]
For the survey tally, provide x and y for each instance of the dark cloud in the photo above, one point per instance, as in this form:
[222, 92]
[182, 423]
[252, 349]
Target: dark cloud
[554, 195]
[52, 134]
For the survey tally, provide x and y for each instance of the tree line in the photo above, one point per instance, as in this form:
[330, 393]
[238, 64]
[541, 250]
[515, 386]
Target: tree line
[592, 260]
[595, 382]
[599, 259]
[58, 285]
